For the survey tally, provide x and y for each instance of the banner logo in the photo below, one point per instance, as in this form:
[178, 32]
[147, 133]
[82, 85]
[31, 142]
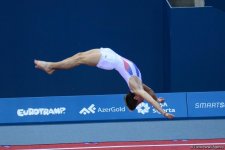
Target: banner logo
[143, 108]
[41, 111]
[209, 105]
[90, 109]
[165, 107]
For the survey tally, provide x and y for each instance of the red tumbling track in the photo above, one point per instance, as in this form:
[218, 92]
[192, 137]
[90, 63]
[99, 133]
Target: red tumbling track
[142, 145]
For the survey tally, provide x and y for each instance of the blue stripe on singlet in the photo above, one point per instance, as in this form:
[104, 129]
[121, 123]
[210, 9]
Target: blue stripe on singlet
[137, 70]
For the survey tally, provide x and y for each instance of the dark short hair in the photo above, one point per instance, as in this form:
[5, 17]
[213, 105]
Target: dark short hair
[130, 101]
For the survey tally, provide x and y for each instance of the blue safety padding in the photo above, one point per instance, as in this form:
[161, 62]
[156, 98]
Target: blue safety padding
[84, 108]
[206, 104]
[92, 108]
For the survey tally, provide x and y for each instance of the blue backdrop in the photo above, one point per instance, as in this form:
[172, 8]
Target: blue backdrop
[176, 49]
[55, 29]
[195, 51]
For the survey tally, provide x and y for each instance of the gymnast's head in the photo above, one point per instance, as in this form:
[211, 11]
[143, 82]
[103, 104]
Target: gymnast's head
[130, 101]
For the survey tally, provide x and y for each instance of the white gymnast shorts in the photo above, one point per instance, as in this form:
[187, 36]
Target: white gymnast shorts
[108, 59]
[111, 60]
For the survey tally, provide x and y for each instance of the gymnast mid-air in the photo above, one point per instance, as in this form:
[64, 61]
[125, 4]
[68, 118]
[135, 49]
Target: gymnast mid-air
[107, 59]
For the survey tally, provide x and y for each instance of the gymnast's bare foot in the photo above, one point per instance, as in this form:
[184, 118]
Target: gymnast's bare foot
[43, 65]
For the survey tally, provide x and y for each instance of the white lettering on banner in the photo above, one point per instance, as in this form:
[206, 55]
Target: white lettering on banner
[91, 110]
[41, 111]
[163, 105]
[210, 105]
[112, 109]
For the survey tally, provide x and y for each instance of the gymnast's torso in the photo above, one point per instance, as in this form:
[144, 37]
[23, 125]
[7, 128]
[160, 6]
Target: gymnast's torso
[111, 60]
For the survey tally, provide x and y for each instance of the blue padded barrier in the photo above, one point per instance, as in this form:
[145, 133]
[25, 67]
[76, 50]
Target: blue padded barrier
[84, 108]
[206, 104]
[92, 108]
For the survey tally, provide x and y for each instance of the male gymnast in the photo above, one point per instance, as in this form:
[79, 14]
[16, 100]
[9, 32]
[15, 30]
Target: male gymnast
[107, 59]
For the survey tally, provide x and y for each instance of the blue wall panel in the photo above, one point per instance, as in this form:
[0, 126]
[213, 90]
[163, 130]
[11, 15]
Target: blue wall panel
[55, 29]
[220, 4]
[176, 49]
[197, 49]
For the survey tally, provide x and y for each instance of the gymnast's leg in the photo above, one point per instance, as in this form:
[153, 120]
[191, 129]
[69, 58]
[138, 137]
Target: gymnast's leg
[90, 58]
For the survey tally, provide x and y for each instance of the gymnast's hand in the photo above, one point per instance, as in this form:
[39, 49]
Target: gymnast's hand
[160, 100]
[168, 115]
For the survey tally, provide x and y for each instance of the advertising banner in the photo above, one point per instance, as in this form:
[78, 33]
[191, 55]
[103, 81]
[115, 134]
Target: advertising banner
[84, 108]
[206, 104]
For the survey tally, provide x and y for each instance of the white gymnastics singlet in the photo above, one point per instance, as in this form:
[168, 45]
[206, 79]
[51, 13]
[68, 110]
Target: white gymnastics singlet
[111, 60]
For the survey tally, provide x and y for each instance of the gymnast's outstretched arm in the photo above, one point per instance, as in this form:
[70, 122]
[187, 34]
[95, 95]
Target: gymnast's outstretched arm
[136, 86]
[152, 93]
